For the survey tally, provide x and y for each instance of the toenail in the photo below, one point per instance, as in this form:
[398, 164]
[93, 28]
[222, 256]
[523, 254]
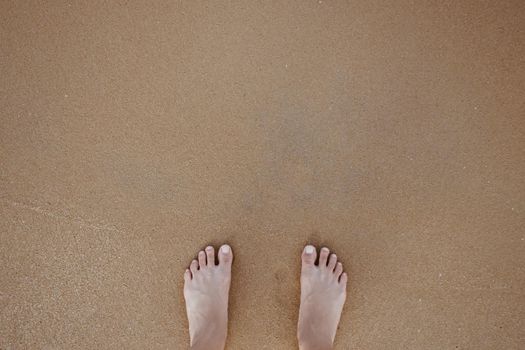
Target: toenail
[209, 248]
[309, 250]
[225, 249]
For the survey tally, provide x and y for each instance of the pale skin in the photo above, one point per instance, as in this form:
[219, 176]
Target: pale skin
[207, 286]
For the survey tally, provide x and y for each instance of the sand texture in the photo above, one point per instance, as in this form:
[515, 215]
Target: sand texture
[134, 133]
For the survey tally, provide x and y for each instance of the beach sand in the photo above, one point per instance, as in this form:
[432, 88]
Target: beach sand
[133, 134]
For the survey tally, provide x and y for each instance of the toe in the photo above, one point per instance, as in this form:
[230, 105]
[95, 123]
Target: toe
[225, 256]
[194, 266]
[309, 255]
[202, 259]
[331, 262]
[338, 270]
[210, 255]
[187, 276]
[323, 256]
[343, 280]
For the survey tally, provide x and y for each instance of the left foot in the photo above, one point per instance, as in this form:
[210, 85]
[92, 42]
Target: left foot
[206, 289]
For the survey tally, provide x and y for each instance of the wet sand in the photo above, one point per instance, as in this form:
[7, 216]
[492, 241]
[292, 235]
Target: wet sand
[133, 135]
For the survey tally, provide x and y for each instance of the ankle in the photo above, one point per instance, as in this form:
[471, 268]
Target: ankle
[208, 344]
[213, 338]
[314, 344]
[315, 347]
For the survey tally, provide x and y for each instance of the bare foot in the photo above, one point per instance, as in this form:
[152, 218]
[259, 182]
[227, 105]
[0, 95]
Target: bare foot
[206, 289]
[323, 294]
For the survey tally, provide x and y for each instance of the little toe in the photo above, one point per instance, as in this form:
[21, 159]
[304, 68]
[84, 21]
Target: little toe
[343, 280]
[338, 270]
[202, 259]
[309, 255]
[210, 255]
[187, 275]
[332, 262]
[323, 256]
[194, 266]
[225, 256]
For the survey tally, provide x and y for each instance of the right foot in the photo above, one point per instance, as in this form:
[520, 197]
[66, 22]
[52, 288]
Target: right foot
[206, 289]
[323, 294]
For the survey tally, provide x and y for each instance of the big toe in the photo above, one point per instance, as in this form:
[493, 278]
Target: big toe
[309, 255]
[225, 255]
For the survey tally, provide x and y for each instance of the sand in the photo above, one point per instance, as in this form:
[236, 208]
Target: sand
[135, 133]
